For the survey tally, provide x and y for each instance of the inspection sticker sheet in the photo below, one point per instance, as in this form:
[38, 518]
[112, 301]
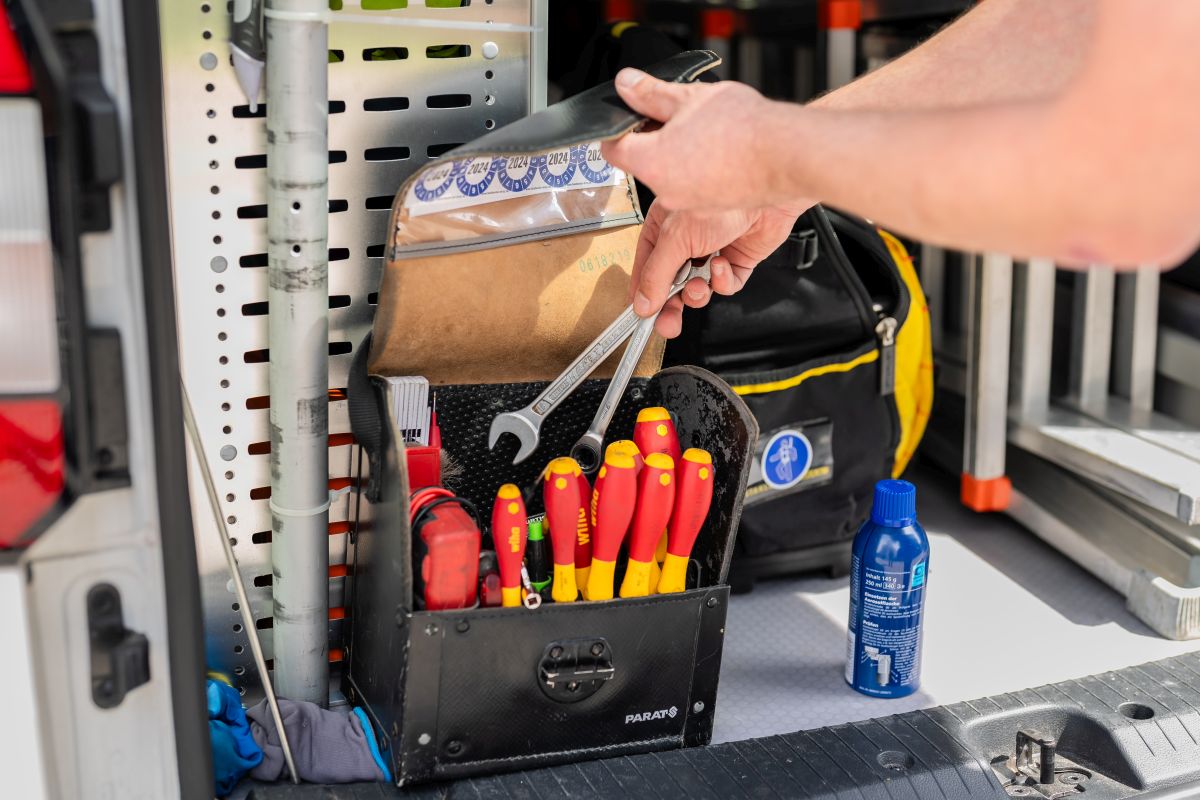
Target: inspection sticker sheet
[486, 179]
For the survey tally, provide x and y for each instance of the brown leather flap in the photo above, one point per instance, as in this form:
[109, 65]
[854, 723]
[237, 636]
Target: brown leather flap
[515, 313]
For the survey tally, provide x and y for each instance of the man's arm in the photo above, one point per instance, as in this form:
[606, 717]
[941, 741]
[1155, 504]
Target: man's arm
[1000, 51]
[1105, 171]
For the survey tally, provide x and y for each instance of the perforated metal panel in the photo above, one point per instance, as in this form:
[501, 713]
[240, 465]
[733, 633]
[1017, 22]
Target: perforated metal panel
[398, 96]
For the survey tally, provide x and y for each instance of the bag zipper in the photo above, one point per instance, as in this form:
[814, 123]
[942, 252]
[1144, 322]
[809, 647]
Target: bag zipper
[885, 330]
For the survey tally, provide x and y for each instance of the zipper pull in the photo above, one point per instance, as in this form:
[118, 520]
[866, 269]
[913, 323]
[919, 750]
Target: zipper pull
[886, 331]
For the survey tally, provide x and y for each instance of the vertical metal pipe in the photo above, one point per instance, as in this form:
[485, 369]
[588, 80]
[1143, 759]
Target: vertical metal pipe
[985, 436]
[1135, 340]
[840, 57]
[1033, 339]
[1091, 337]
[933, 282]
[298, 274]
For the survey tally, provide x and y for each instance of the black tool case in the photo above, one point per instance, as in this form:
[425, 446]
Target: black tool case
[487, 300]
[466, 692]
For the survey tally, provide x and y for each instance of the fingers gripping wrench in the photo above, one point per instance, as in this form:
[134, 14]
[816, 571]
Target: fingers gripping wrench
[526, 424]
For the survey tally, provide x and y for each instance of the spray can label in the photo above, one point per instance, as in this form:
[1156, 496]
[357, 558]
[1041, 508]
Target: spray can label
[884, 642]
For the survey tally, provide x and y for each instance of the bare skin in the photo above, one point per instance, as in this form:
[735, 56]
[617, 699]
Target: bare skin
[1055, 129]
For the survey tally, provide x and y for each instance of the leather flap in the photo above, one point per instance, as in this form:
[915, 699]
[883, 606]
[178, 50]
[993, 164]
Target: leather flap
[510, 254]
[593, 115]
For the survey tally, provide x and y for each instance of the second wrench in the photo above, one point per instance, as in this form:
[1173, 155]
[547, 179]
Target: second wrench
[586, 451]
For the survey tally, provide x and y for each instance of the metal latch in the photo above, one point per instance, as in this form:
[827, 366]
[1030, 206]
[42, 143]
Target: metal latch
[120, 657]
[1037, 770]
[573, 669]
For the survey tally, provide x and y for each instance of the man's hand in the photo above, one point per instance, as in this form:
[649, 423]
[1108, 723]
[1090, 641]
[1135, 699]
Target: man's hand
[709, 152]
[669, 238]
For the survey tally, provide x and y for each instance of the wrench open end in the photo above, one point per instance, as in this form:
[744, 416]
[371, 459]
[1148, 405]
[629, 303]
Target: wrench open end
[516, 423]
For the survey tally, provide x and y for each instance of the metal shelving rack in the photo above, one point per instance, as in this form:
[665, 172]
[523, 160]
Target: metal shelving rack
[216, 152]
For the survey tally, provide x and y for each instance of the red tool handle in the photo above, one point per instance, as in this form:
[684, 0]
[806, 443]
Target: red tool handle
[615, 501]
[654, 432]
[693, 496]
[621, 446]
[509, 532]
[656, 498]
[563, 502]
[583, 535]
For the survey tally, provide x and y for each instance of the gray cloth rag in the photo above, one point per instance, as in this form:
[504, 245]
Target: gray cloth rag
[328, 746]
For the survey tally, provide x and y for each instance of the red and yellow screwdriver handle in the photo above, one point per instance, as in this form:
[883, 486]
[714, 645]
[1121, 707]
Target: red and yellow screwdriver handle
[563, 501]
[615, 497]
[656, 498]
[583, 535]
[509, 531]
[654, 432]
[693, 497]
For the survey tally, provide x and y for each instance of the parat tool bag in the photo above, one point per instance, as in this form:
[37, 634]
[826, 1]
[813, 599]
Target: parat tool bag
[506, 258]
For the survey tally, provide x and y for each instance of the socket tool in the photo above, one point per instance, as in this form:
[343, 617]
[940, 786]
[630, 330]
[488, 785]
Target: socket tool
[526, 423]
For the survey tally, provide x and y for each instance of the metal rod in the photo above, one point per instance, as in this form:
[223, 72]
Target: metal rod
[840, 55]
[1033, 338]
[1091, 337]
[214, 502]
[985, 434]
[334, 17]
[298, 336]
[1135, 340]
[933, 282]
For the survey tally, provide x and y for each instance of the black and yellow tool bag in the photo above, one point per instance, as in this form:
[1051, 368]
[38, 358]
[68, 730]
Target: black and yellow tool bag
[829, 346]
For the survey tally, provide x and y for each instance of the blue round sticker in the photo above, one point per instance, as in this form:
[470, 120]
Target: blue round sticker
[786, 459]
[559, 159]
[518, 182]
[440, 178]
[475, 176]
[585, 158]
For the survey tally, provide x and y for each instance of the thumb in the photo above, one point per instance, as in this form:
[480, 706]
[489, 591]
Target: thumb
[634, 153]
[658, 100]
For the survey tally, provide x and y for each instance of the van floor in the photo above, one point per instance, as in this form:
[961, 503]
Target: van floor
[1004, 611]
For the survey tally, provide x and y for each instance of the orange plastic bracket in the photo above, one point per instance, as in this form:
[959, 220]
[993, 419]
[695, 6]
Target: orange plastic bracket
[718, 23]
[839, 15]
[986, 494]
[617, 10]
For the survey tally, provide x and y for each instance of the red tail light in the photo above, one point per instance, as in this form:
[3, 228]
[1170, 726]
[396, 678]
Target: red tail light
[31, 465]
[31, 425]
[15, 77]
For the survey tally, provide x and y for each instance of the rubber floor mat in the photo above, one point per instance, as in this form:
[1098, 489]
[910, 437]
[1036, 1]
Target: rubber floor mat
[1115, 735]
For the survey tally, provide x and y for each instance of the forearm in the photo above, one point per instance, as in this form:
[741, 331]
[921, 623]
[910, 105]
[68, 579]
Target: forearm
[1038, 178]
[1105, 171]
[957, 178]
[1000, 51]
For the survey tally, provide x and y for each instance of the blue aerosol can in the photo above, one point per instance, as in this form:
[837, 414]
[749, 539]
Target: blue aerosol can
[888, 574]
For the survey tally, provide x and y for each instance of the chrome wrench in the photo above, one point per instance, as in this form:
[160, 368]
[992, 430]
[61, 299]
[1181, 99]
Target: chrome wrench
[526, 423]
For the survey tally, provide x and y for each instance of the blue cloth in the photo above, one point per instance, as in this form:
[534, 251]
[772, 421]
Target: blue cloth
[373, 744]
[327, 746]
[234, 750]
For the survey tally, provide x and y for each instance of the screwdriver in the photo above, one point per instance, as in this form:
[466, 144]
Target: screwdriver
[693, 496]
[656, 498]
[583, 536]
[561, 493]
[537, 555]
[509, 532]
[627, 447]
[615, 500]
[654, 432]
